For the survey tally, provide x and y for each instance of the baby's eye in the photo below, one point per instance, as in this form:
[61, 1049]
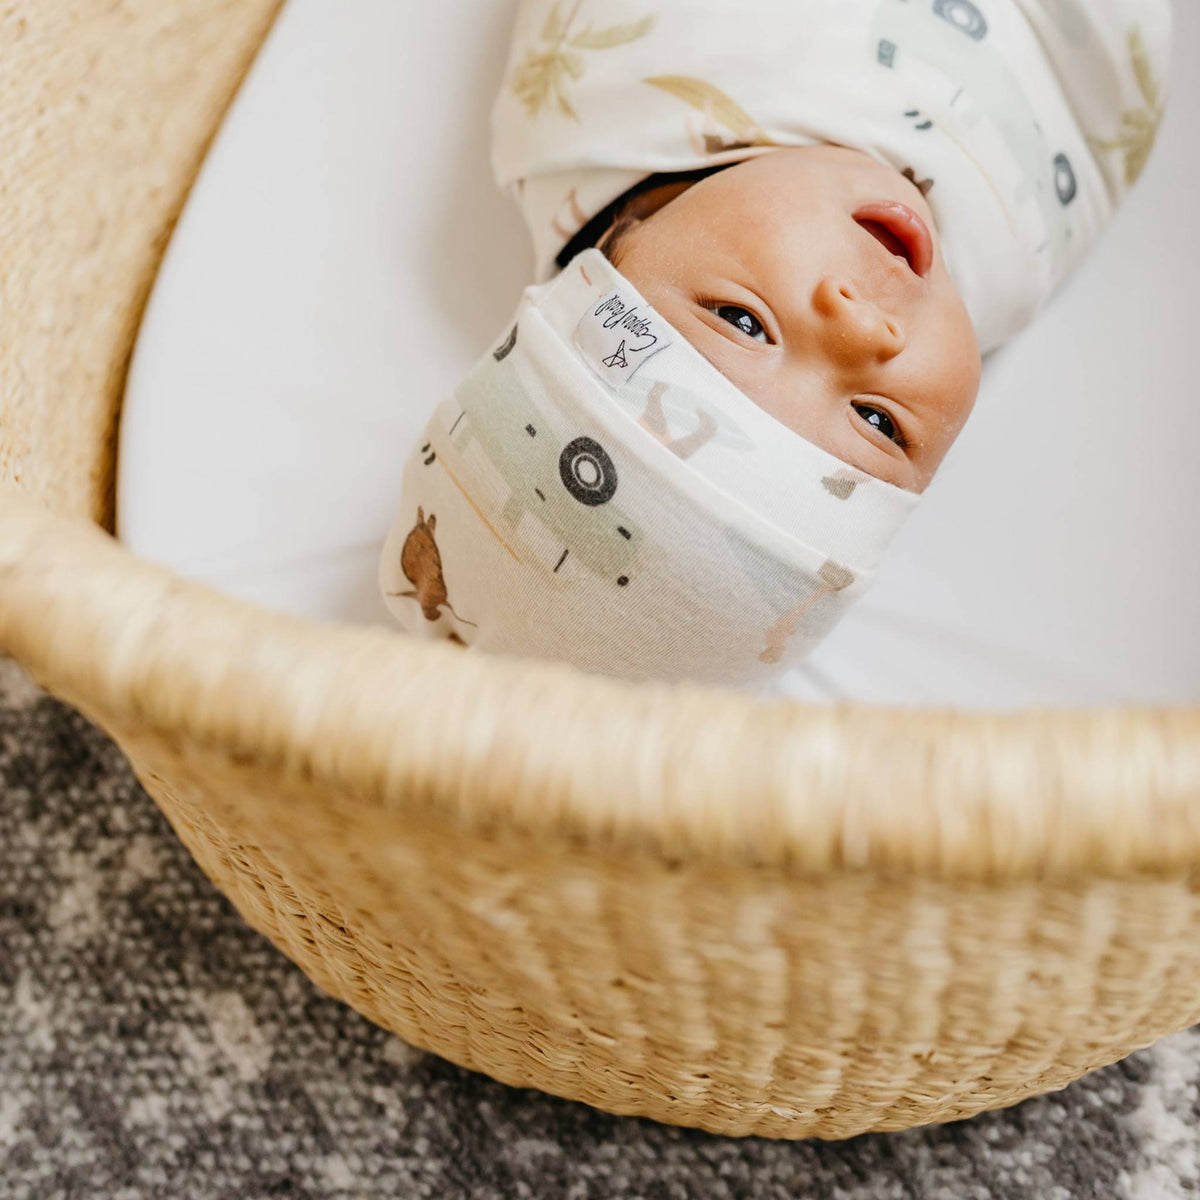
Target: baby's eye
[744, 320]
[878, 419]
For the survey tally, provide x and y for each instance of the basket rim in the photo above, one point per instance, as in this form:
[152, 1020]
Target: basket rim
[680, 771]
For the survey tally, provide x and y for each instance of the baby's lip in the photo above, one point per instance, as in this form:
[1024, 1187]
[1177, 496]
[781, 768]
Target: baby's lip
[901, 230]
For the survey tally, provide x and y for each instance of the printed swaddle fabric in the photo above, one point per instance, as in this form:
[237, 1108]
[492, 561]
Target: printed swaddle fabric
[1023, 121]
[596, 492]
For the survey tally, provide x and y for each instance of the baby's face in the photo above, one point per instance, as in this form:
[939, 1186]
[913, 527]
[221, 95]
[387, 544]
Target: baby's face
[813, 278]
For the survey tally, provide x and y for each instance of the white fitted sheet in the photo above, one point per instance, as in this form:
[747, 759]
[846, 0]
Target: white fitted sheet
[345, 257]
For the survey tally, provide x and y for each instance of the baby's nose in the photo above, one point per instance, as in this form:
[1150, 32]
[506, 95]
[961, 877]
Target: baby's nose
[854, 327]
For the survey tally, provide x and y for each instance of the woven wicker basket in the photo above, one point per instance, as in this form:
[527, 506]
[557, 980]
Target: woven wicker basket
[752, 917]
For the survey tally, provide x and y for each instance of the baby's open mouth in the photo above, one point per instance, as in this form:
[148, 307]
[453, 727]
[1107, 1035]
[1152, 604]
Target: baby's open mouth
[900, 231]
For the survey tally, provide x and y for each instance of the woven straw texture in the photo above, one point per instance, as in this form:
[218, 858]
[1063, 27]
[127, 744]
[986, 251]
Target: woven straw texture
[751, 917]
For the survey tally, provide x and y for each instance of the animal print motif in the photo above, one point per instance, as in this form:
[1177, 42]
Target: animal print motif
[421, 563]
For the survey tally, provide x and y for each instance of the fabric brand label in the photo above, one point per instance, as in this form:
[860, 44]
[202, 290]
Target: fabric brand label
[617, 334]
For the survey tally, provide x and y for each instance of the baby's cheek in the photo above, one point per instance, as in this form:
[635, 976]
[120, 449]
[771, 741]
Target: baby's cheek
[960, 374]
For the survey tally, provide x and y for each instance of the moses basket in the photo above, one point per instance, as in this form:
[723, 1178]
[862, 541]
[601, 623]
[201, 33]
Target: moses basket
[754, 917]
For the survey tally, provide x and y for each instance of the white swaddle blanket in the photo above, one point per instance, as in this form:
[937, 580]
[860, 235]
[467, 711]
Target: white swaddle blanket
[596, 491]
[1022, 120]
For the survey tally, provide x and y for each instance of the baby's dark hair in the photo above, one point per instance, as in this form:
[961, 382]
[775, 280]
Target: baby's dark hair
[608, 229]
[613, 244]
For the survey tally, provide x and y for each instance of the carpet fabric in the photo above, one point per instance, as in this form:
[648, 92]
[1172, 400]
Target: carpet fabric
[152, 1045]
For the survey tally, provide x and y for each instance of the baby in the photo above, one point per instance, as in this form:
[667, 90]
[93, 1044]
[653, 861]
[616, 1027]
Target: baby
[754, 337]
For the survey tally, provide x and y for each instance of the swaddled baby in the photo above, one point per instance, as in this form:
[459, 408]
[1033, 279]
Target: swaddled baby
[772, 240]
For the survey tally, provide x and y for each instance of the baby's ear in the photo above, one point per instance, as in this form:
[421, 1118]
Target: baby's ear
[420, 515]
[431, 524]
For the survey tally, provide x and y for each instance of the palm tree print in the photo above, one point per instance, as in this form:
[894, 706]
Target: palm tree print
[718, 109]
[1139, 126]
[542, 81]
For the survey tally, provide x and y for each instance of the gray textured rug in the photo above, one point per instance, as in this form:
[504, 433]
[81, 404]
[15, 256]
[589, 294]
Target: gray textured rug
[151, 1045]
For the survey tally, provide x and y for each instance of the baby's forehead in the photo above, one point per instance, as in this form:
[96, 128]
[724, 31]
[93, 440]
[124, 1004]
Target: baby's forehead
[816, 158]
[806, 182]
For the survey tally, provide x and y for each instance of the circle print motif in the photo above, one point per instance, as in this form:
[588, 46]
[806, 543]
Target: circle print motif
[963, 15]
[588, 472]
[1064, 179]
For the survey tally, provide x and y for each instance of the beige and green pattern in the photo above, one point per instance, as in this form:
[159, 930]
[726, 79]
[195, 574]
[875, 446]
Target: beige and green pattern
[541, 82]
[1139, 126]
